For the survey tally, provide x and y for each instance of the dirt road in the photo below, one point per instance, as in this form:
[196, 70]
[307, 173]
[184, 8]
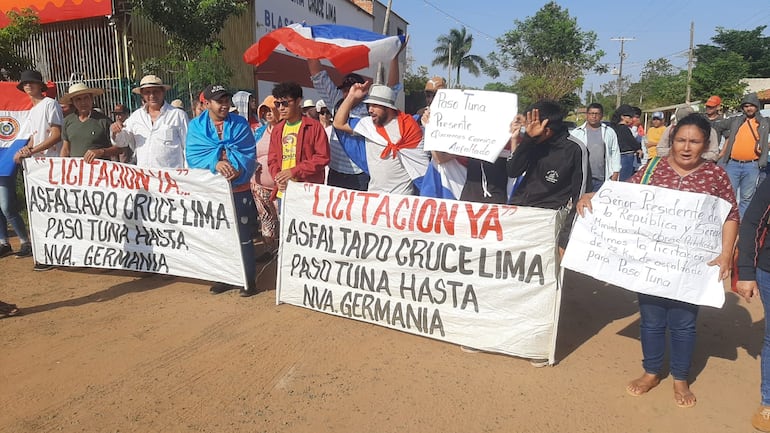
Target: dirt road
[108, 351]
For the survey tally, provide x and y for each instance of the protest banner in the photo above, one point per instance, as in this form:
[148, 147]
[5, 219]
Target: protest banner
[118, 216]
[480, 275]
[14, 110]
[652, 240]
[472, 123]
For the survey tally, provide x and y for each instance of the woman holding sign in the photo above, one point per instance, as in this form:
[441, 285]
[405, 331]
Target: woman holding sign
[684, 169]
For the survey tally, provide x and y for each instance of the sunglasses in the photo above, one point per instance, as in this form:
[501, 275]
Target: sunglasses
[285, 103]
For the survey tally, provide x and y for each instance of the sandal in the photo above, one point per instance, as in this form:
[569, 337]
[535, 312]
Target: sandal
[8, 310]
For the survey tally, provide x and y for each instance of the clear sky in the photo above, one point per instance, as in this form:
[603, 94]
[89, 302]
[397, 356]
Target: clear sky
[661, 28]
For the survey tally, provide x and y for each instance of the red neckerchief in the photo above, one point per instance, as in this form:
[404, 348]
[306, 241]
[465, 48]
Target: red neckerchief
[411, 135]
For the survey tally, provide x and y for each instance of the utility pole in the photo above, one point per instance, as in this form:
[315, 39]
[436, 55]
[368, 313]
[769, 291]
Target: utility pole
[380, 67]
[620, 70]
[690, 61]
[449, 66]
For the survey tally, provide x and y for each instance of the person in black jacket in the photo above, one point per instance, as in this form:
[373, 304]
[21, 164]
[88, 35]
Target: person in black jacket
[630, 149]
[555, 163]
[754, 279]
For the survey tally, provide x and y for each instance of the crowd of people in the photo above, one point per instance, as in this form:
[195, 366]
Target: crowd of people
[356, 137]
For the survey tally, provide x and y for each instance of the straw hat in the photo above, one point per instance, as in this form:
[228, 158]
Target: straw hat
[80, 89]
[150, 81]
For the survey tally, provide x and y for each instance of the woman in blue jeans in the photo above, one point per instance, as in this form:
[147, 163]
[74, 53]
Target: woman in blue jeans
[684, 169]
[9, 213]
[754, 279]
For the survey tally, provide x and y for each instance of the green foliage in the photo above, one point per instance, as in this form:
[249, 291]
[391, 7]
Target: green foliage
[456, 47]
[720, 67]
[549, 44]
[190, 24]
[660, 84]
[190, 77]
[499, 87]
[22, 27]
[415, 82]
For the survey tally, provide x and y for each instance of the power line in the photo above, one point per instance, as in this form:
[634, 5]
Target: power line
[457, 20]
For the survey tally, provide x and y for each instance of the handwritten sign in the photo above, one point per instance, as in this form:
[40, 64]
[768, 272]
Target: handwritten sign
[475, 274]
[652, 240]
[472, 123]
[118, 216]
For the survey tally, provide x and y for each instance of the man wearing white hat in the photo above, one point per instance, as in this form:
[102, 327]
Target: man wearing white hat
[86, 132]
[157, 131]
[391, 152]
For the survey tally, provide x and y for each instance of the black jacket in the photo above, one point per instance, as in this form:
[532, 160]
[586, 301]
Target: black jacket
[626, 140]
[556, 171]
[753, 249]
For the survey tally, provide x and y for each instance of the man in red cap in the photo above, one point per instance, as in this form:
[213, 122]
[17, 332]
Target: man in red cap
[713, 104]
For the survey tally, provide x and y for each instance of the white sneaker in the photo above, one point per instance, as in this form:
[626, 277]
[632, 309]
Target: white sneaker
[539, 363]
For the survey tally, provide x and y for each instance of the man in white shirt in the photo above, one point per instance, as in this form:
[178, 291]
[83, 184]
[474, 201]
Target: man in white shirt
[43, 127]
[602, 144]
[157, 131]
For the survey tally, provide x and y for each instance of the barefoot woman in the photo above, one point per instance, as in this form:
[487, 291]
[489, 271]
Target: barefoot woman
[683, 170]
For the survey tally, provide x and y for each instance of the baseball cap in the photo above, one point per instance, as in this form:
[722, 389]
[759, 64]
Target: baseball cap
[215, 91]
[349, 80]
[658, 115]
[320, 104]
[714, 101]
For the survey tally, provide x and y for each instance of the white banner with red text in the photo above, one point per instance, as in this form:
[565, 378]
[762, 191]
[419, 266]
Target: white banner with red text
[119, 216]
[652, 240]
[479, 275]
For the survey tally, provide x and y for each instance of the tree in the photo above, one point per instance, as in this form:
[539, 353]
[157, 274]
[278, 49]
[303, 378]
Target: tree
[737, 54]
[22, 27]
[192, 27]
[455, 47]
[659, 84]
[550, 52]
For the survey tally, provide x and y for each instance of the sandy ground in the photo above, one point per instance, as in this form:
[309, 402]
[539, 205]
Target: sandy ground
[112, 351]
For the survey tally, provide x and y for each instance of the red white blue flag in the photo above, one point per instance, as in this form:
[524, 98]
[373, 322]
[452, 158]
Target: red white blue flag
[14, 108]
[347, 48]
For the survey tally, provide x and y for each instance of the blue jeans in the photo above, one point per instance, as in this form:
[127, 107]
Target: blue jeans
[246, 218]
[659, 314]
[9, 210]
[763, 281]
[627, 162]
[596, 184]
[743, 177]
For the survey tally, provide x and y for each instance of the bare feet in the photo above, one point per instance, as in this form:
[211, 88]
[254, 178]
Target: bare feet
[643, 384]
[682, 394]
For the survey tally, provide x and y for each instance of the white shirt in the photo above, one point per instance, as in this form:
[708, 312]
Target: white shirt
[387, 175]
[41, 117]
[158, 145]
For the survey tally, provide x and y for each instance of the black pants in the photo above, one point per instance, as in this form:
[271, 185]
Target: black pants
[358, 182]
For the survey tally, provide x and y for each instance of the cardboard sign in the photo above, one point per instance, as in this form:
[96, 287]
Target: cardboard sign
[652, 240]
[479, 275]
[472, 123]
[119, 216]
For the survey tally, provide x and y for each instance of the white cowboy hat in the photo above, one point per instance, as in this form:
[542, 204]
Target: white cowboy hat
[150, 81]
[80, 89]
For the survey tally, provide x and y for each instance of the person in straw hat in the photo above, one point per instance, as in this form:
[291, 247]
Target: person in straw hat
[86, 132]
[157, 131]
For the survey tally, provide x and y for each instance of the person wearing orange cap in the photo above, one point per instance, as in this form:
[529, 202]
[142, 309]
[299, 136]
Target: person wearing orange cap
[713, 104]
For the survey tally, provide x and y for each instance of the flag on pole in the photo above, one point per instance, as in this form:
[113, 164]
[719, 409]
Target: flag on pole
[347, 48]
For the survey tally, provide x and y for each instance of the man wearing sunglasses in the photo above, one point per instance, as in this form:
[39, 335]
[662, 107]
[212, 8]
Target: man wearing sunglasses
[299, 149]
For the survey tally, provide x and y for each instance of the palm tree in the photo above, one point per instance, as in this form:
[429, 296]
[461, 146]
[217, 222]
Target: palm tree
[456, 47]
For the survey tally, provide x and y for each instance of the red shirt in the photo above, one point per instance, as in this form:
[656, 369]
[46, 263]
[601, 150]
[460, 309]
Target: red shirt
[709, 179]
